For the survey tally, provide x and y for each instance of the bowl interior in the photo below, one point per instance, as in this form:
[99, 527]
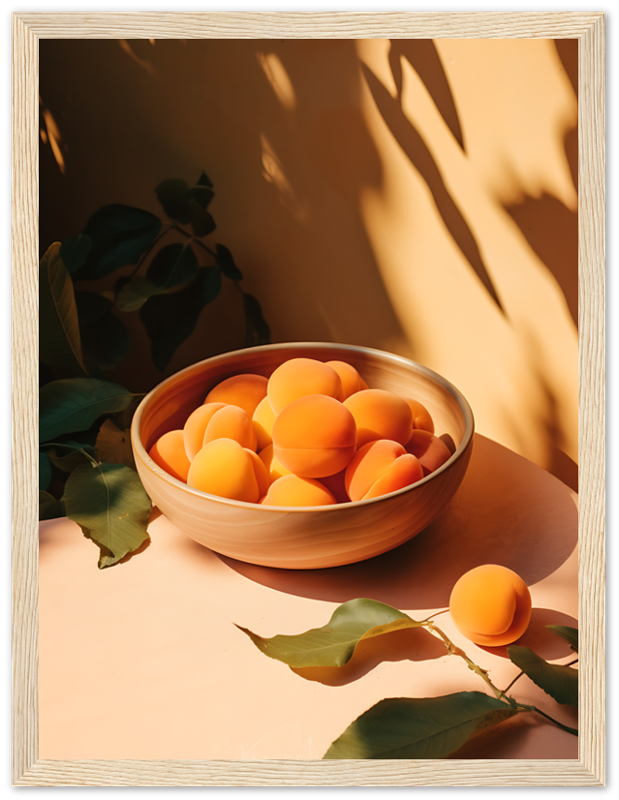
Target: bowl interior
[167, 407]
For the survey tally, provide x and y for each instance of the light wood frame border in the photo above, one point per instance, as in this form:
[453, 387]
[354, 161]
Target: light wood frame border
[589, 29]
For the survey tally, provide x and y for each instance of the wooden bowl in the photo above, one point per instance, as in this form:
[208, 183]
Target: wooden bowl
[302, 538]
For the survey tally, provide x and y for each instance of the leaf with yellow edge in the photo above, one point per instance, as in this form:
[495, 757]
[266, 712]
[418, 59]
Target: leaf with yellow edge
[110, 505]
[334, 643]
[60, 344]
[114, 445]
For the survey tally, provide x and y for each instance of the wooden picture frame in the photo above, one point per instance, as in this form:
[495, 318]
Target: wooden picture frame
[589, 29]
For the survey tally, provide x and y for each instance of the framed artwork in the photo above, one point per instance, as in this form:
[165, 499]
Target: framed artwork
[587, 309]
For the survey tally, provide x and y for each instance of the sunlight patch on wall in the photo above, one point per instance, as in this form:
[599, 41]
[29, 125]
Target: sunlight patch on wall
[516, 105]
[272, 172]
[141, 62]
[278, 78]
[51, 134]
[438, 213]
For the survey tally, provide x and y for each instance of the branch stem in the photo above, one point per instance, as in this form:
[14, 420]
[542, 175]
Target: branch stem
[456, 651]
[498, 693]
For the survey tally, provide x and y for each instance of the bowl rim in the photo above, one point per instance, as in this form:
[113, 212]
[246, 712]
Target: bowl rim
[469, 425]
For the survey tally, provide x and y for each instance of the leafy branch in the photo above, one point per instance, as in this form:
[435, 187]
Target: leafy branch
[417, 727]
[176, 285]
[86, 466]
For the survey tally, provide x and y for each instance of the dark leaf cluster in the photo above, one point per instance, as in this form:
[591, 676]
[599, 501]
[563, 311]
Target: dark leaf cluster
[86, 466]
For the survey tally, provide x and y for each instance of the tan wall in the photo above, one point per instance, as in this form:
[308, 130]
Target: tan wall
[412, 196]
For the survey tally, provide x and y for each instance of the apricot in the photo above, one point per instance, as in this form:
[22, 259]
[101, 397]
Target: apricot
[231, 422]
[168, 452]
[299, 377]
[291, 490]
[448, 442]
[431, 451]
[380, 467]
[336, 484]
[224, 468]
[195, 427]
[274, 467]
[421, 416]
[380, 415]
[351, 380]
[491, 605]
[315, 436]
[244, 391]
[263, 418]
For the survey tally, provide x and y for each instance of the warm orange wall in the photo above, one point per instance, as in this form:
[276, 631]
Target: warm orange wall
[413, 196]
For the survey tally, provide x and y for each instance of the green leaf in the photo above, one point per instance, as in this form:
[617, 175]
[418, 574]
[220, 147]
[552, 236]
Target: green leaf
[429, 727]
[135, 293]
[177, 200]
[110, 505]
[120, 235]
[173, 194]
[565, 632]
[173, 265]
[334, 643]
[114, 445]
[45, 471]
[202, 195]
[257, 331]
[202, 222]
[49, 507]
[74, 252]
[73, 404]
[557, 680]
[105, 340]
[108, 344]
[225, 262]
[68, 457]
[60, 344]
[169, 319]
[204, 180]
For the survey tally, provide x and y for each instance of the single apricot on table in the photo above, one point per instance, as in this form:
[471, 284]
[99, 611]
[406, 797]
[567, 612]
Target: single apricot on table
[224, 468]
[491, 605]
[380, 415]
[314, 436]
[291, 490]
[244, 391]
[299, 377]
[380, 467]
[168, 452]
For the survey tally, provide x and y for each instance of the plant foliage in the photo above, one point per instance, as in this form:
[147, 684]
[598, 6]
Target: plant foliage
[416, 727]
[86, 466]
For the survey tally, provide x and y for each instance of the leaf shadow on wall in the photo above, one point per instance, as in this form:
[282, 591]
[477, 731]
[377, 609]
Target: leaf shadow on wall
[424, 58]
[549, 226]
[326, 160]
[288, 191]
[418, 153]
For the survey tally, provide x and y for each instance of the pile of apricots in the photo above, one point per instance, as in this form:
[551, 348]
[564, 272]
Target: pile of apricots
[313, 434]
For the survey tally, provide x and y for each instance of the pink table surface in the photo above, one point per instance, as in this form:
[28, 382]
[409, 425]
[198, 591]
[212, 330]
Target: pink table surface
[143, 661]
